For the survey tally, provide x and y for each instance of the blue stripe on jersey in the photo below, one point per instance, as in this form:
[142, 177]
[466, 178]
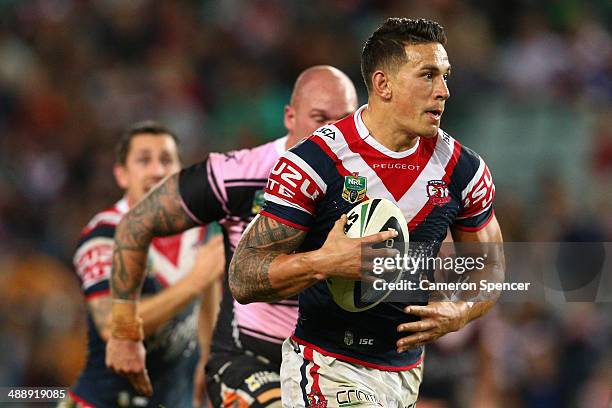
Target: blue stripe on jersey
[466, 167]
[100, 231]
[101, 286]
[293, 216]
[312, 154]
[476, 222]
[304, 382]
[325, 167]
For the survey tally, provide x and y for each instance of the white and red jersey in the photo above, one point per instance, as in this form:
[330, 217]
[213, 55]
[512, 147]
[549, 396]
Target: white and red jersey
[228, 188]
[169, 258]
[437, 183]
[173, 345]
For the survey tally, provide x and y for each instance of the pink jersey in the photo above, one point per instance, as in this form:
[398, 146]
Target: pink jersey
[228, 188]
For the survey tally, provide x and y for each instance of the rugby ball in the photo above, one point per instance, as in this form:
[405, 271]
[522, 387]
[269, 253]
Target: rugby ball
[367, 218]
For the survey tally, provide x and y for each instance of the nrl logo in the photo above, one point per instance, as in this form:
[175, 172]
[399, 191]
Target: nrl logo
[437, 191]
[355, 187]
[258, 202]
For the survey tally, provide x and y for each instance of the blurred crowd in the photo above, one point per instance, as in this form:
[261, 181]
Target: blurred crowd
[74, 73]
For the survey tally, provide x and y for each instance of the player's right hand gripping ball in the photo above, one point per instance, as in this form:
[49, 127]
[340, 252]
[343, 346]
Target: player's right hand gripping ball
[367, 218]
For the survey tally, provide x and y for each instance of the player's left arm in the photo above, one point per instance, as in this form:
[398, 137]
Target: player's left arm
[440, 317]
[487, 243]
[207, 319]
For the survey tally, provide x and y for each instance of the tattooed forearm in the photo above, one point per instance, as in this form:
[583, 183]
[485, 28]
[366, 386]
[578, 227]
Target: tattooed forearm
[261, 243]
[100, 310]
[158, 214]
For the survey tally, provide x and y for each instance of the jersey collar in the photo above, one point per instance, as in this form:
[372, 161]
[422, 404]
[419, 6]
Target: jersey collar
[364, 133]
[281, 145]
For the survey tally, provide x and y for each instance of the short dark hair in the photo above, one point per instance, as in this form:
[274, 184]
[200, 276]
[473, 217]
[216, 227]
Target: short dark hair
[150, 127]
[385, 47]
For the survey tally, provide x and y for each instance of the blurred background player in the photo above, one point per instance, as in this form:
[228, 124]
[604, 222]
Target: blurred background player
[245, 360]
[178, 270]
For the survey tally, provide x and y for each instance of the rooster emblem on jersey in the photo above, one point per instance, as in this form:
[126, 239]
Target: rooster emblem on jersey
[437, 191]
[316, 400]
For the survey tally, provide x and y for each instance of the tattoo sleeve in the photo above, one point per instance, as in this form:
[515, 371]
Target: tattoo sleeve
[158, 214]
[261, 243]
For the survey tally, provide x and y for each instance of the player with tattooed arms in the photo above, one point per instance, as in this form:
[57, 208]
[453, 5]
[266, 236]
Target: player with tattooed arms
[178, 270]
[391, 148]
[243, 369]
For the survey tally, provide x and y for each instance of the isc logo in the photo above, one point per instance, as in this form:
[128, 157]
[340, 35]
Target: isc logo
[327, 132]
[286, 179]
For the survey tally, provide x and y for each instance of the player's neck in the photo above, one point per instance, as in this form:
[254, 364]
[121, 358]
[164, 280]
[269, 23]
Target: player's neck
[291, 141]
[385, 131]
[131, 200]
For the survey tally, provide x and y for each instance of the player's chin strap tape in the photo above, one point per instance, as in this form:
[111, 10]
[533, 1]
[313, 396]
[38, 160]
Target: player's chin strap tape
[126, 325]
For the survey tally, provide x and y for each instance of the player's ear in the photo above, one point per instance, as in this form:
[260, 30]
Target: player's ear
[289, 117]
[381, 85]
[120, 176]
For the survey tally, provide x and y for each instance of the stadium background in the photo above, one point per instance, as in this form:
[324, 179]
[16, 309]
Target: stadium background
[531, 91]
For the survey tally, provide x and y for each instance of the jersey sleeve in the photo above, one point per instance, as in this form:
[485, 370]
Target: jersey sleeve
[294, 186]
[202, 193]
[476, 197]
[93, 260]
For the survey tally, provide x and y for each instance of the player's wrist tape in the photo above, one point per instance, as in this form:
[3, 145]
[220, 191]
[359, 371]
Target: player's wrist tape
[128, 330]
[125, 301]
[126, 324]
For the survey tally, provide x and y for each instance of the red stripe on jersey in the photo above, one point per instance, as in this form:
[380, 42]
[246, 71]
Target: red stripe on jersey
[480, 197]
[306, 207]
[314, 373]
[341, 169]
[356, 360]
[429, 206]
[385, 167]
[170, 247]
[81, 401]
[290, 182]
[284, 221]
[162, 280]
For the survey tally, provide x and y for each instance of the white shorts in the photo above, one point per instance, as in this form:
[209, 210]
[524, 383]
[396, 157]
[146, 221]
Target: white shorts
[312, 380]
